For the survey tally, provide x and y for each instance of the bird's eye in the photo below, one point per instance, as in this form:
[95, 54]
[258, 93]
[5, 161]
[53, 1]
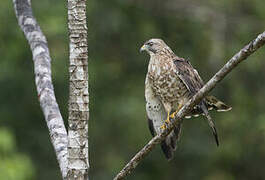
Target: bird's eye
[150, 43]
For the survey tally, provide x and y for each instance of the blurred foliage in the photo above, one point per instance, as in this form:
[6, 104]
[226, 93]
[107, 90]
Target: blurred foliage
[206, 32]
[14, 165]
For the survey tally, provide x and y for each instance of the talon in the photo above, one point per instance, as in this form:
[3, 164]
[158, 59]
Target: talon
[173, 115]
[163, 127]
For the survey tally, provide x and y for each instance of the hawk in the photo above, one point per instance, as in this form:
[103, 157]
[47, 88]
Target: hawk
[170, 82]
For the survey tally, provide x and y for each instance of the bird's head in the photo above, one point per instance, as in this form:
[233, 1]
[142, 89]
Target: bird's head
[153, 46]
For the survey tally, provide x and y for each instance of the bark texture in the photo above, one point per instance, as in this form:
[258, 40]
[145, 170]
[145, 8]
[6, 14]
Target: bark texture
[78, 163]
[43, 80]
[230, 65]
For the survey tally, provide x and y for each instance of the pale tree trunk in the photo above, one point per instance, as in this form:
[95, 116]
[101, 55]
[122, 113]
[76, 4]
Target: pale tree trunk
[42, 69]
[78, 163]
[76, 153]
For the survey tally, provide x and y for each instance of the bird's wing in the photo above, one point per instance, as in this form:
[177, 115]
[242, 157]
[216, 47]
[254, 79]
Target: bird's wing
[188, 75]
[156, 115]
[194, 83]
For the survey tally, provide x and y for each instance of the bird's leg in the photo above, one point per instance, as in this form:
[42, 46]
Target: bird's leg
[174, 113]
[167, 121]
[168, 108]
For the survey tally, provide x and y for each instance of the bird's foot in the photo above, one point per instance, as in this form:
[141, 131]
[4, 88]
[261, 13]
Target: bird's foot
[163, 127]
[173, 114]
[167, 121]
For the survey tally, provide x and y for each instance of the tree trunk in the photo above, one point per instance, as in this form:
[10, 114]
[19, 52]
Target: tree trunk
[78, 164]
[43, 79]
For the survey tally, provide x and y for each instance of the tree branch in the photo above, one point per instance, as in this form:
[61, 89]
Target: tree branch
[231, 64]
[78, 163]
[43, 80]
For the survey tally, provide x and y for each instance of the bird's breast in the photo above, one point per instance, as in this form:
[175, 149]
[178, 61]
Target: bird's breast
[166, 83]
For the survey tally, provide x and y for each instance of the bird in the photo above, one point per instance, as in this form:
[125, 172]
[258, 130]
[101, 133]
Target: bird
[170, 82]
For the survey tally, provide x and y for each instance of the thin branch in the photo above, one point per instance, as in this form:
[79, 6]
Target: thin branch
[231, 64]
[43, 80]
[78, 163]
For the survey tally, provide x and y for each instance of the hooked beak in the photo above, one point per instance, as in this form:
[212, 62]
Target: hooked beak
[143, 48]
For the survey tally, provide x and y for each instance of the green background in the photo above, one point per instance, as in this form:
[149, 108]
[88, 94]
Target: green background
[206, 32]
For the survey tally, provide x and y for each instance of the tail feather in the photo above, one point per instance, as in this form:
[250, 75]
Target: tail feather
[210, 122]
[169, 144]
[213, 102]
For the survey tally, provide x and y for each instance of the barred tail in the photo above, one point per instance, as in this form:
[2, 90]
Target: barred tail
[213, 102]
